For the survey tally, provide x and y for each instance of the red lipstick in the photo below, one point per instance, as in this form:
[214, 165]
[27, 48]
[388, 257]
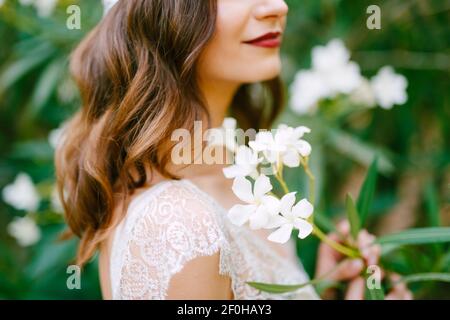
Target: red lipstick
[269, 40]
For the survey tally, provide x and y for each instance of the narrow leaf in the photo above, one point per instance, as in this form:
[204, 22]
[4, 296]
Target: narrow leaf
[46, 85]
[280, 288]
[358, 150]
[367, 192]
[416, 236]
[442, 277]
[353, 217]
[374, 294]
[432, 205]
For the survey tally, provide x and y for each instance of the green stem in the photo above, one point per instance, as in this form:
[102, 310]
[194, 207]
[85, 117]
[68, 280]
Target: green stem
[316, 231]
[349, 252]
[312, 180]
[279, 177]
[283, 185]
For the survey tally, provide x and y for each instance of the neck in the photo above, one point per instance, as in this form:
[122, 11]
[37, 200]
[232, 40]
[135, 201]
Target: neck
[218, 95]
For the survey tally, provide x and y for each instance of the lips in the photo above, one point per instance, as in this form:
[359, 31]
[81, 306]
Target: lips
[268, 40]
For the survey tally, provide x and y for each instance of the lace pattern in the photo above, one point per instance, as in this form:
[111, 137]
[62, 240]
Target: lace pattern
[174, 222]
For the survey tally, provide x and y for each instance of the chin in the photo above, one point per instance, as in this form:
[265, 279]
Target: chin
[266, 72]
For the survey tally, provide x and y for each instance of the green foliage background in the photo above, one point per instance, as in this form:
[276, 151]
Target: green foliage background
[412, 141]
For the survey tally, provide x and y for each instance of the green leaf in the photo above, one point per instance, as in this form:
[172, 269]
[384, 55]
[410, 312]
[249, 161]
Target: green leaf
[432, 205]
[324, 222]
[367, 192]
[46, 85]
[416, 236]
[24, 65]
[36, 150]
[442, 277]
[357, 150]
[280, 288]
[353, 217]
[374, 294]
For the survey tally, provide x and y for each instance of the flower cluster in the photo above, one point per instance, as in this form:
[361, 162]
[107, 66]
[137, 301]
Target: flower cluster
[22, 195]
[44, 8]
[262, 208]
[333, 73]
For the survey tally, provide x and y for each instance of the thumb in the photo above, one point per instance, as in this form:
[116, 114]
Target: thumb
[348, 269]
[356, 289]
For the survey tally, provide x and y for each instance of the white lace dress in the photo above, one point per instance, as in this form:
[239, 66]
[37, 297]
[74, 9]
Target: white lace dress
[174, 222]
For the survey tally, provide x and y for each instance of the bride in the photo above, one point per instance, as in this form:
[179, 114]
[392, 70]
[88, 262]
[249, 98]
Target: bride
[151, 67]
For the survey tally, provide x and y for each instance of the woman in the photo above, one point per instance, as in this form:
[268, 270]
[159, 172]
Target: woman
[151, 67]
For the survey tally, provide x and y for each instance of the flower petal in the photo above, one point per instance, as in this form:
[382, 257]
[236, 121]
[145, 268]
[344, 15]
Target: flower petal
[259, 218]
[242, 188]
[239, 214]
[245, 156]
[299, 132]
[276, 221]
[262, 186]
[304, 228]
[287, 202]
[272, 204]
[291, 158]
[233, 172]
[304, 148]
[303, 209]
[281, 235]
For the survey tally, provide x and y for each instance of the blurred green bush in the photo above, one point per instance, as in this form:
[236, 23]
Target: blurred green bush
[411, 140]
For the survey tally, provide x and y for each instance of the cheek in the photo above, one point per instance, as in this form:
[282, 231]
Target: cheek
[227, 58]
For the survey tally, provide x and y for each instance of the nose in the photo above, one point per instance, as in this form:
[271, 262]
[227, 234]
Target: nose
[271, 9]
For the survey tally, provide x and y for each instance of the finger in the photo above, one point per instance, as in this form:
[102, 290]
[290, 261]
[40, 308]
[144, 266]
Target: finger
[327, 260]
[356, 289]
[372, 254]
[370, 251]
[399, 294]
[348, 269]
[326, 249]
[365, 239]
[343, 228]
[399, 291]
[328, 257]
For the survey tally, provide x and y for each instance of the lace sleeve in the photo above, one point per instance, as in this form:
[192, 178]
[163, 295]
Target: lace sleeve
[173, 249]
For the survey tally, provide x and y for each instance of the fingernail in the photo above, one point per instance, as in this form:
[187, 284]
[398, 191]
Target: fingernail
[357, 264]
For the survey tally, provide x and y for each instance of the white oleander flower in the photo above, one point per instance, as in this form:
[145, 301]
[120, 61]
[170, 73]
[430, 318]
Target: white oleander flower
[331, 56]
[260, 207]
[295, 146]
[291, 217]
[225, 135]
[389, 88]
[22, 194]
[55, 202]
[246, 162]
[25, 231]
[364, 95]
[56, 136]
[307, 89]
[286, 146]
[265, 143]
[332, 73]
[44, 8]
[335, 68]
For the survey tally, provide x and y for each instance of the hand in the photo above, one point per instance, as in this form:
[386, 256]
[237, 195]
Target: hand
[333, 266]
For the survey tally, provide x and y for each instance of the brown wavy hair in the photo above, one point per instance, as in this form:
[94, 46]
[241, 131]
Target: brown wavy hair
[136, 72]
